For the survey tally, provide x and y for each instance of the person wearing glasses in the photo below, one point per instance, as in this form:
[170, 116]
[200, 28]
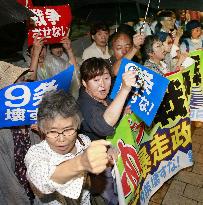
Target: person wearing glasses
[57, 166]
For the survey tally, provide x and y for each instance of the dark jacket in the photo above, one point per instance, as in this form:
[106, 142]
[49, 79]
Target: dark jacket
[93, 124]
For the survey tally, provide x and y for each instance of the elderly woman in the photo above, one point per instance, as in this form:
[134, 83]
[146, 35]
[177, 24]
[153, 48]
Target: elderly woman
[99, 113]
[153, 55]
[56, 167]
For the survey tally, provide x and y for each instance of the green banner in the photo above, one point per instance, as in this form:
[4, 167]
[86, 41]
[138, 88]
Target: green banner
[149, 156]
[196, 104]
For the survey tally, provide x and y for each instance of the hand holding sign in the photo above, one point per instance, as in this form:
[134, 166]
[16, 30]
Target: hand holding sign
[38, 43]
[66, 42]
[128, 80]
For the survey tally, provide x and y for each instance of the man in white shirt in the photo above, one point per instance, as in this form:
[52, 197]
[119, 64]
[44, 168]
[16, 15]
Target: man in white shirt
[100, 34]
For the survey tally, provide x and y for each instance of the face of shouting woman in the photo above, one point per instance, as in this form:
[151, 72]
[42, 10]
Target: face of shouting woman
[99, 86]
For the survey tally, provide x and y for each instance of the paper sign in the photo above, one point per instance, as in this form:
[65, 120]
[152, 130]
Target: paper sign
[146, 99]
[19, 102]
[51, 22]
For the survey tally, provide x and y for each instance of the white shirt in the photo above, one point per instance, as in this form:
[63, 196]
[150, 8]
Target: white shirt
[94, 51]
[41, 162]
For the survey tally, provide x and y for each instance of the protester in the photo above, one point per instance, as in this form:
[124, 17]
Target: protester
[100, 115]
[59, 58]
[154, 54]
[124, 45]
[195, 37]
[172, 63]
[58, 165]
[165, 22]
[100, 34]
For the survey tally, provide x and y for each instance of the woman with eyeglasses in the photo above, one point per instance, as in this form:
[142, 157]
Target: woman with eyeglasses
[57, 166]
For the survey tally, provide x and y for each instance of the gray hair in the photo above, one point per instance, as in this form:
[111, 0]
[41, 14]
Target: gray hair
[57, 103]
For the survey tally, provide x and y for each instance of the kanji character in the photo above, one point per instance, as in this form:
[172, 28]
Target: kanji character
[145, 161]
[43, 88]
[159, 147]
[39, 20]
[16, 114]
[52, 16]
[147, 189]
[180, 135]
[148, 83]
[155, 180]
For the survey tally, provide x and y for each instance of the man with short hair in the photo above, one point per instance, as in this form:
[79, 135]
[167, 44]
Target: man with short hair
[100, 34]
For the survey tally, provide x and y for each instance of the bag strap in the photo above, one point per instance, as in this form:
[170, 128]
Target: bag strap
[187, 45]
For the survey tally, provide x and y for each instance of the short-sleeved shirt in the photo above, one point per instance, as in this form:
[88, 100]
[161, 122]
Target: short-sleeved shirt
[188, 45]
[41, 162]
[94, 124]
[94, 51]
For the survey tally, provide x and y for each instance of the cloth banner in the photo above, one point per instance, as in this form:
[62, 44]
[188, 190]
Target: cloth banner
[149, 156]
[19, 102]
[148, 94]
[196, 104]
[51, 22]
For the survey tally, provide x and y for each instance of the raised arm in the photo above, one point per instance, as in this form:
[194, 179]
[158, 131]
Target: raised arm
[66, 42]
[35, 54]
[138, 40]
[114, 110]
[93, 160]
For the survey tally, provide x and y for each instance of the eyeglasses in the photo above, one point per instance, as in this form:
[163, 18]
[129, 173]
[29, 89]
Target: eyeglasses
[66, 133]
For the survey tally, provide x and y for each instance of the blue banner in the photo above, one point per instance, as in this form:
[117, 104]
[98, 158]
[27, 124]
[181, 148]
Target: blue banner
[19, 102]
[147, 95]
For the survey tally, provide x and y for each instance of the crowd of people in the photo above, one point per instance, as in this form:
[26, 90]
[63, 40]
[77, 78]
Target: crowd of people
[65, 159]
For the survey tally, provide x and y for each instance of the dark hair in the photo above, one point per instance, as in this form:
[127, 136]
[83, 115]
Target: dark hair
[57, 103]
[31, 46]
[55, 45]
[192, 25]
[164, 13]
[99, 26]
[125, 28]
[116, 35]
[161, 15]
[147, 47]
[162, 36]
[93, 67]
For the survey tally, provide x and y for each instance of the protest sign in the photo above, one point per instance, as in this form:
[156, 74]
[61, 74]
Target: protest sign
[149, 156]
[146, 98]
[19, 102]
[51, 22]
